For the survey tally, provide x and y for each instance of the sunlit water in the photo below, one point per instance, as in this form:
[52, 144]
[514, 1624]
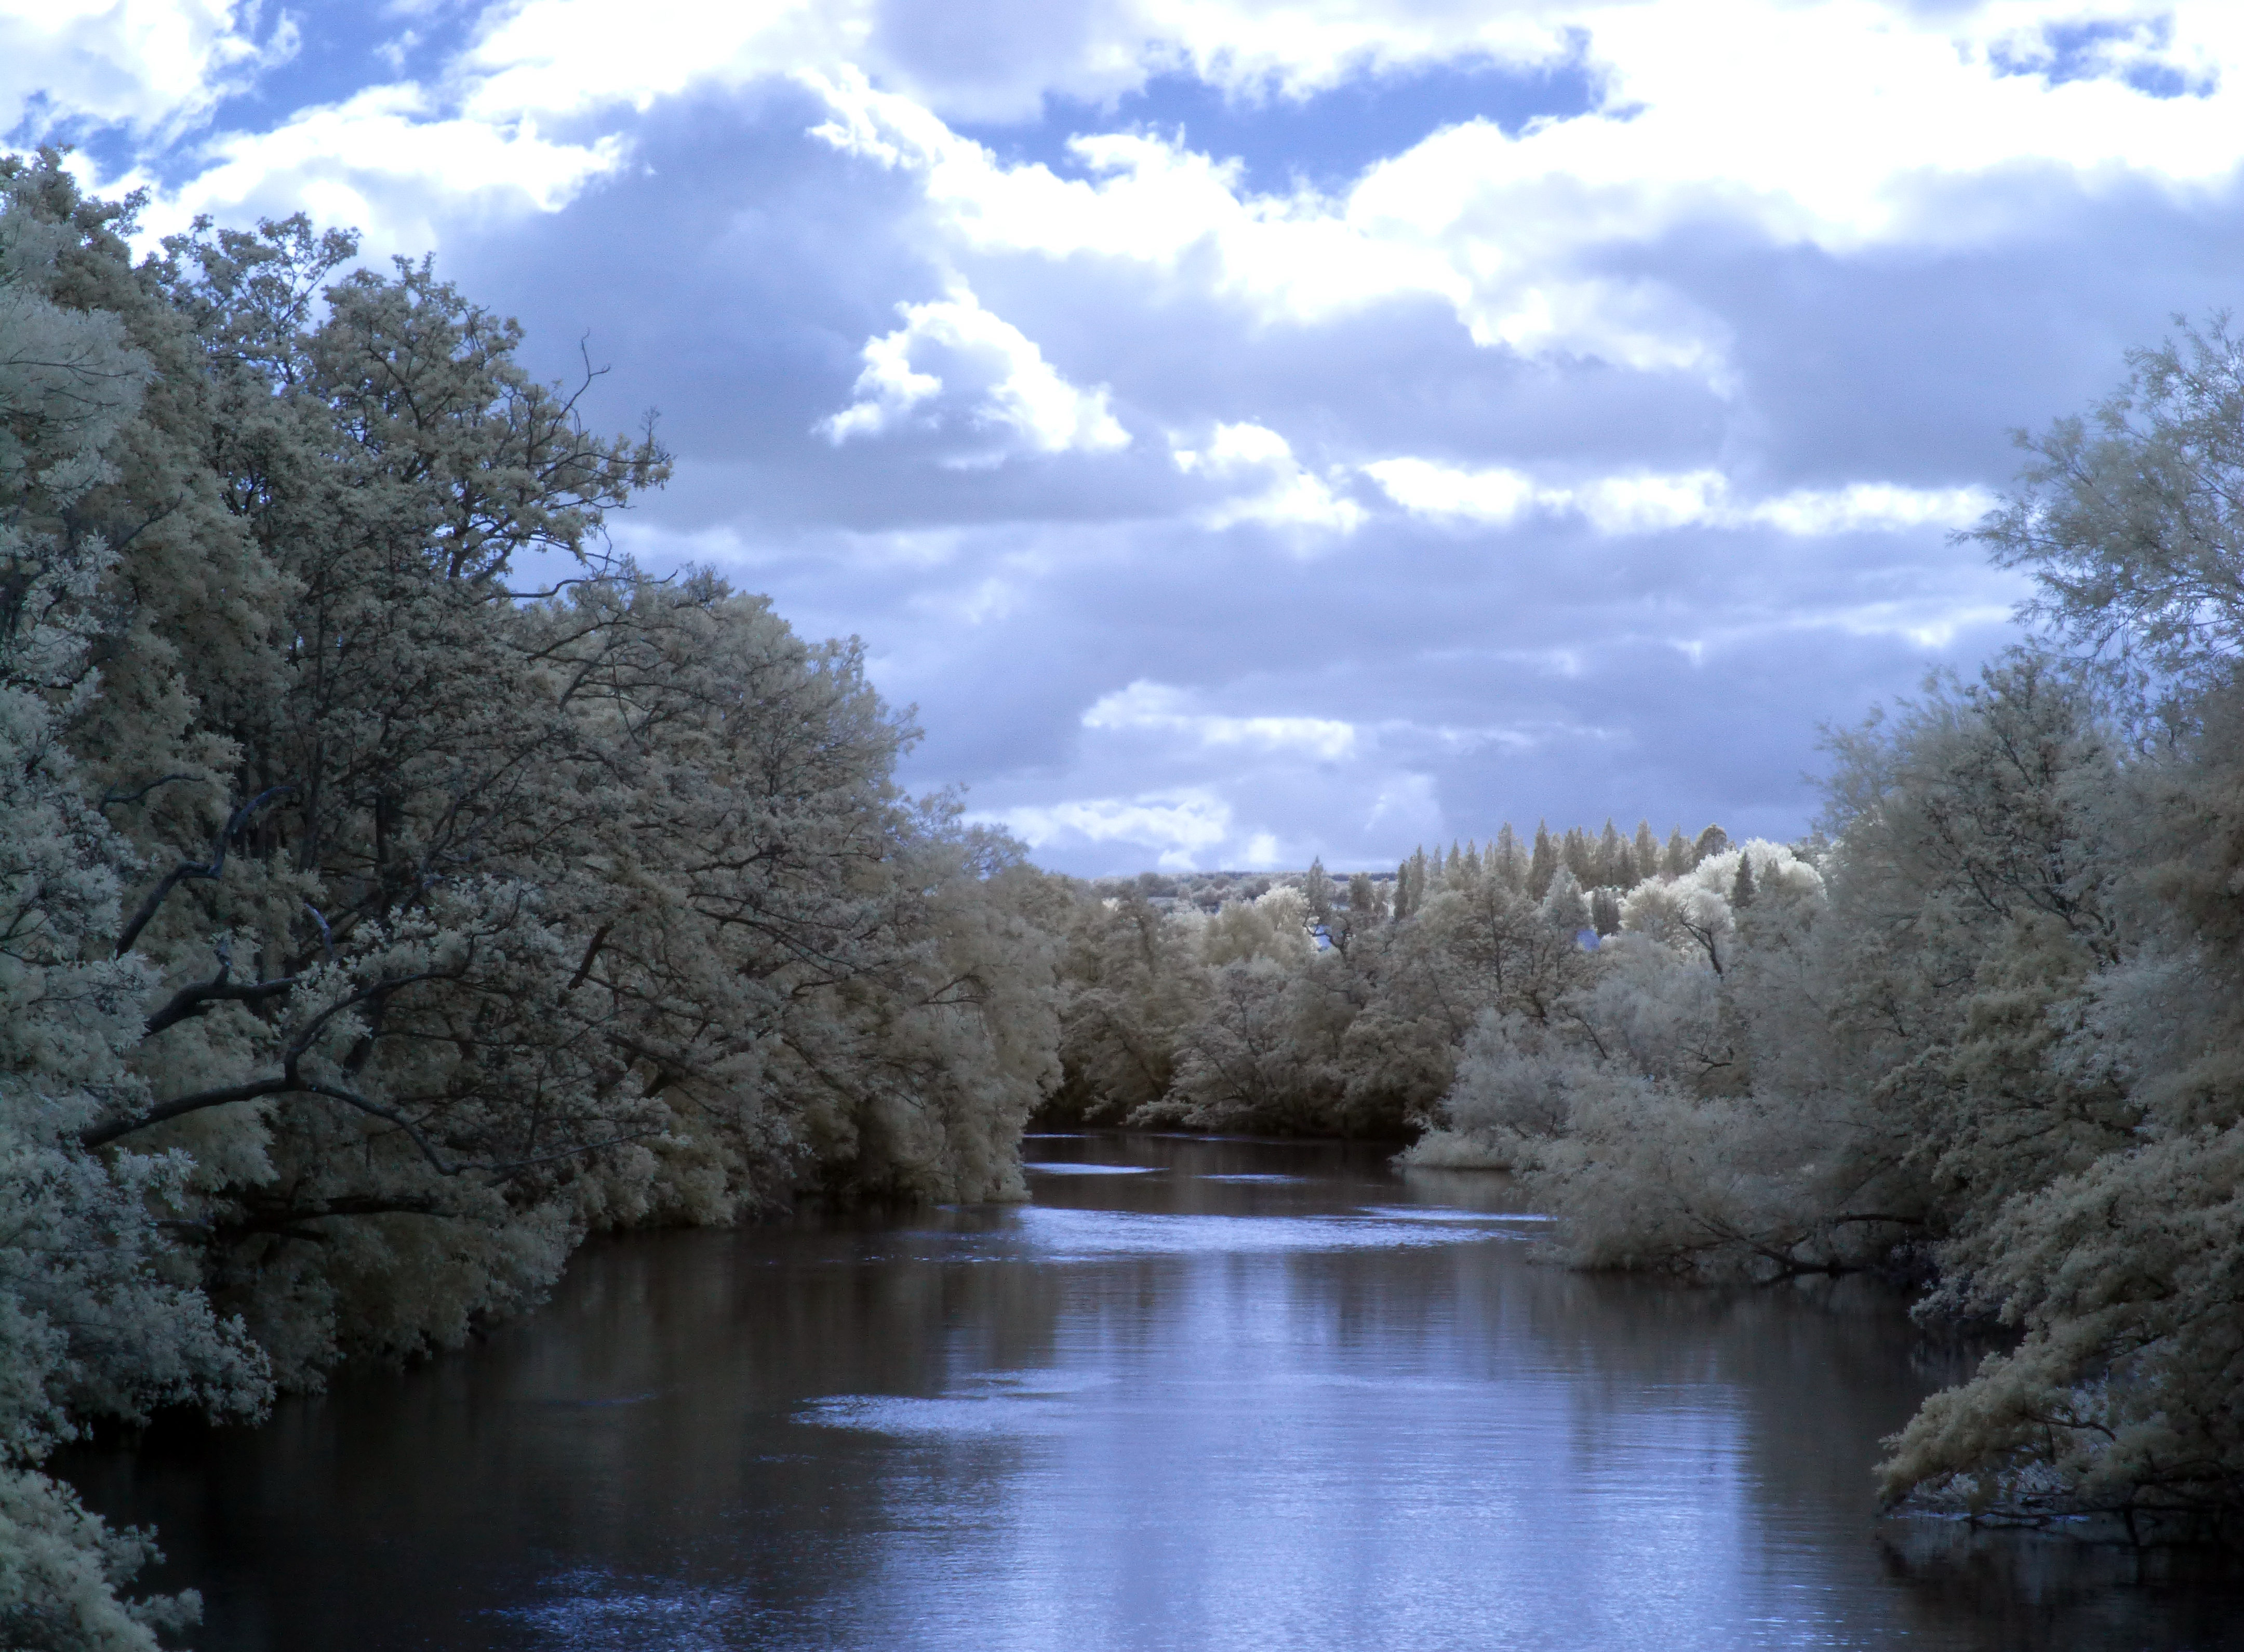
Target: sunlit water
[1199, 1395]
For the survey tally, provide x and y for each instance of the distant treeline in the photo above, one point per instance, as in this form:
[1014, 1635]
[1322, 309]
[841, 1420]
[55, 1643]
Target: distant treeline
[1604, 867]
[1290, 1003]
[1602, 860]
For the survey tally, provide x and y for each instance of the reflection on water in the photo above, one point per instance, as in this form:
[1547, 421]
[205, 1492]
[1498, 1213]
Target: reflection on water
[1254, 1396]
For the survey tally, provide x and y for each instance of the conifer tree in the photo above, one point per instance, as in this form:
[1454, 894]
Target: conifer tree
[1564, 906]
[1712, 842]
[1676, 859]
[1646, 852]
[1580, 856]
[1543, 864]
[1507, 860]
[1607, 862]
[1742, 889]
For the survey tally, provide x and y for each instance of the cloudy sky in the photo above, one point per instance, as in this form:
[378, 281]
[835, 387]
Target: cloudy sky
[1251, 429]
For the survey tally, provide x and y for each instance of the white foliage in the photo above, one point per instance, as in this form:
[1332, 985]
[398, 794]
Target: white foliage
[99, 1315]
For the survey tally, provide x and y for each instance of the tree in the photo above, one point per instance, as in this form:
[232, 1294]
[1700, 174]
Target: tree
[1131, 981]
[2126, 517]
[1262, 1057]
[94, 1317]
[464, 919]
[2076, 1068]
[1646, 851]
[1578, 856]
[1364, 916]
[1506, 861]
[1542, 864]
[1317, 892]
[1565, 907]
[365, 971]
[1609, 863]
[371, 928]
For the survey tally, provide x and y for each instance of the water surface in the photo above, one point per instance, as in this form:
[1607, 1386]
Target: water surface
[1199, 1395]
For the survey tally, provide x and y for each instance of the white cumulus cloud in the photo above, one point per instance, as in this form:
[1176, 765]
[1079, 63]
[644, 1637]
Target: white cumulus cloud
[154, 67]
[991, 371]
[1843, 125]
[1156, 708]
[1179, 828]
[1652, 501]
[388, 162]
[1265, 482]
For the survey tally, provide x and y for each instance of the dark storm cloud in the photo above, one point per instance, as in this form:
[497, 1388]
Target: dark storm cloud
[1916, 365]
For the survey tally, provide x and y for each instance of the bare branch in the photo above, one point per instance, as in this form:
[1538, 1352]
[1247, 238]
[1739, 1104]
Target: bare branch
[188, 870]
[102, 1135]
[113, 799]
[193, 1001]
[591, 951]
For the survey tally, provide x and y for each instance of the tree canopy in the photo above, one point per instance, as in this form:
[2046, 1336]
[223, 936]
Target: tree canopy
[373, 927]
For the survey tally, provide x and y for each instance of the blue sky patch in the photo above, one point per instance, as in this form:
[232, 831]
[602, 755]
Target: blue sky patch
[2104, 49]
[1326, 139]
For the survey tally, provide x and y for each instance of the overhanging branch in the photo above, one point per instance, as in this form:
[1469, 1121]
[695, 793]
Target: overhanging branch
[188, 870]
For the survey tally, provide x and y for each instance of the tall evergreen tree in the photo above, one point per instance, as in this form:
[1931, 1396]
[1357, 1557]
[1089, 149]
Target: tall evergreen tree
[1317, 891]
[1647, 851]
[1507, 860]
[1580, 855]
[1606, 865]
[1543, 866]
[1565, 907]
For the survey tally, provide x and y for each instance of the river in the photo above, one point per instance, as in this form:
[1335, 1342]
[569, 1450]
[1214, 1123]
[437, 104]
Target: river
[1199, 1395]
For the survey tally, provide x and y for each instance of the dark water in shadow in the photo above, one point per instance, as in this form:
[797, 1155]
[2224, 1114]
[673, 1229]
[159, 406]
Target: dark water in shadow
[1236, 1395]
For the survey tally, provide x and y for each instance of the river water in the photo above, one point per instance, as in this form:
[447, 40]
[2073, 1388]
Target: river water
[1198, 1395]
